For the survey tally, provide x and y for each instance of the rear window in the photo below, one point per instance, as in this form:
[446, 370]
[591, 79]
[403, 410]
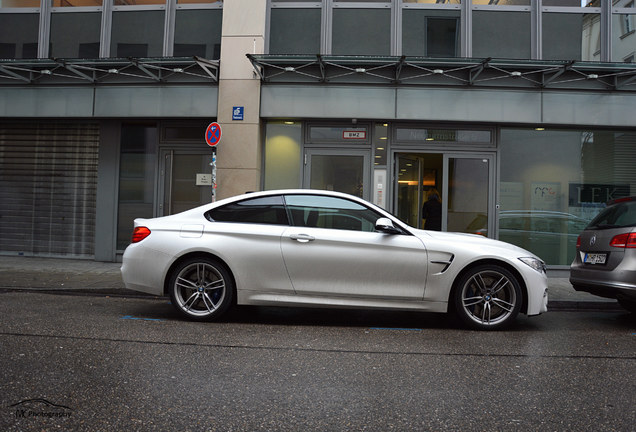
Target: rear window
[267, 210]
[616, 216]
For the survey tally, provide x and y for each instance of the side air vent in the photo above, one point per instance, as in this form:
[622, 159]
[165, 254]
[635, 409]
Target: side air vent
[444, 263]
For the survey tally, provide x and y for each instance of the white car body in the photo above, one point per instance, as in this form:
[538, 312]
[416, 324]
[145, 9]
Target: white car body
[308, 266]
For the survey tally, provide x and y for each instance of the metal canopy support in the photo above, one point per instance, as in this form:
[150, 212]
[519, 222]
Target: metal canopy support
[211, 67]
[6, 70]
[556, 74]
[475, 72]
[76, 71]
[398, 68]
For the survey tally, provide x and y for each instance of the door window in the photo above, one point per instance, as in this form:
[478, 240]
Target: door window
[330, 213]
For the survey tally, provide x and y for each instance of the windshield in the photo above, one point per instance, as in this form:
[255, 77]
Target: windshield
[616, 216]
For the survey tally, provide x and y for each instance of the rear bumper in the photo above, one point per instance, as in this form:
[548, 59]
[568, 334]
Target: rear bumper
[602, 288]
[143, 269]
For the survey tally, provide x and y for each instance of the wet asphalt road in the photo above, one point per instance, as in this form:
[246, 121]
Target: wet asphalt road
[106, 363]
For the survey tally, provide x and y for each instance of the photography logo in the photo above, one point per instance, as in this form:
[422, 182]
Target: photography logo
[40, 408]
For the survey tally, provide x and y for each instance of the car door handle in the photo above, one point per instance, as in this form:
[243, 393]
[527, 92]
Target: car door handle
[302, 238]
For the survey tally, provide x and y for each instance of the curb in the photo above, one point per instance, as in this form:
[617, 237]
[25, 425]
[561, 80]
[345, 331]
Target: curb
[553, 306]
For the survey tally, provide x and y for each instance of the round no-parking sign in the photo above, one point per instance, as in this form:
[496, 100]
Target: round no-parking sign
[213, 134]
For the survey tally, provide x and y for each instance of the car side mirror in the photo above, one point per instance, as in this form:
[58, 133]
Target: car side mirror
[385, 225]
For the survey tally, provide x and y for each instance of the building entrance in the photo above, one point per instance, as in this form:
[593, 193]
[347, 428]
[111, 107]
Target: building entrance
[460, 187]
[186, 180]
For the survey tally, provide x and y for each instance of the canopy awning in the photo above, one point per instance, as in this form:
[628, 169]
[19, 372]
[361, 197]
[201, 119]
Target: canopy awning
[107, 70]
[404, 70]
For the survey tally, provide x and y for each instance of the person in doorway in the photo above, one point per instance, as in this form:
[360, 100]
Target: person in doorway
[432, 211]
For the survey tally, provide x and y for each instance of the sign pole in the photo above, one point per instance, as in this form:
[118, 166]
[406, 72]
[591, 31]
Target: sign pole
[213, 164]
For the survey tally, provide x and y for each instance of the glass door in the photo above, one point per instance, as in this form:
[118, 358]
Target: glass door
[409, 189]
[338, 170]
[418, 181]
[445, 191]
[186, 180]
[468, 194]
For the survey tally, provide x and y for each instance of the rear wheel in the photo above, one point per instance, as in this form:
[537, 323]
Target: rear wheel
[201, 289]
[488, 297]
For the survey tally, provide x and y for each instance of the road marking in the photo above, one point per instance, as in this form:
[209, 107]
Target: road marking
[130, 317]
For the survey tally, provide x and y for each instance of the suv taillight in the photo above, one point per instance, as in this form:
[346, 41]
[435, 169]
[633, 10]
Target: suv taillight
[140, 233]
[627, 240]
[578, 242]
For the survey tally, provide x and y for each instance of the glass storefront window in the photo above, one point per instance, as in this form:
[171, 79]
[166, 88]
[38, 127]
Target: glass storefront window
[354, 134]
[198, 1]
[380, 143]
[419, 135]
[19, 36]
[295, 31]
[138, 2]
[554, 182]
[77, 3]
[502, 2]
[570, 36]
[501, 34]
[198, 33]
[138, 157]
[433, 1]
[137, 34]
[19, 3]
[282, 155]
[361, 32]
[430, 33]
[75, 35]
[624, 35]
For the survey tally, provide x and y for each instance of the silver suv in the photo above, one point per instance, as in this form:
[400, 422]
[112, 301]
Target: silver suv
[605, 262]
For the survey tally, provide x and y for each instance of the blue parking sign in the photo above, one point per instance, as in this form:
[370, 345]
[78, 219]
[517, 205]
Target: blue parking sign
[237, 112]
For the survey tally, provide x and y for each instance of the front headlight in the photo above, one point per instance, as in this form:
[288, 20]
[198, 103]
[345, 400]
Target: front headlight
[535, 263]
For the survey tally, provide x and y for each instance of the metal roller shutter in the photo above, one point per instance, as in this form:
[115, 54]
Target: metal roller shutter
[48, 185]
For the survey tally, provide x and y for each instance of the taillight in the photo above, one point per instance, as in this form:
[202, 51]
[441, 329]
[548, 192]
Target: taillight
[627, 240]
[578, 242]
[140, 233]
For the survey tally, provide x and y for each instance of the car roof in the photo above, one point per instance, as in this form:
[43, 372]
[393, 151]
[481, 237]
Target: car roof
[620, 200]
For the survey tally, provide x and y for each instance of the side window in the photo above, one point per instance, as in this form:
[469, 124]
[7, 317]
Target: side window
[329, 212]
[267, 210]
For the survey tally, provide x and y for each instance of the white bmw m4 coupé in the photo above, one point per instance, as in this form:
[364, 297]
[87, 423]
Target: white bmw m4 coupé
[327, 249]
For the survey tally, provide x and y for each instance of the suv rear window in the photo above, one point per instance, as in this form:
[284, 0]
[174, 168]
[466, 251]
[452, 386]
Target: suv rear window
[619, 215]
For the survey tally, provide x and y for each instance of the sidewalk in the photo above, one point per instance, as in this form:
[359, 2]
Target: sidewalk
[87, 276]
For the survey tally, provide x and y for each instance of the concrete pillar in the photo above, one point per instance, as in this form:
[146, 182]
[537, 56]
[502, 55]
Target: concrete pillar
[239, 152]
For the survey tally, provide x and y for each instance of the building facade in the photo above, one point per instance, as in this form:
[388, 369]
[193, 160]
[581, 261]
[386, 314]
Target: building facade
[521, 113]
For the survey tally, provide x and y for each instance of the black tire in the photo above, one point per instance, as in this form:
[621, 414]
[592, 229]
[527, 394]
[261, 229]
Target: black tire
[487, 297]
[201, 289]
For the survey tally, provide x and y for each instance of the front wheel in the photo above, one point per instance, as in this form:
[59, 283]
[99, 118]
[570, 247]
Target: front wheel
[488, 297]
[201, 289]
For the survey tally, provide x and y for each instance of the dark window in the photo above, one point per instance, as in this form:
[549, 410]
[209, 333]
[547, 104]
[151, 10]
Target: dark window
[616, 216]
[331, 213]
[267, 210]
